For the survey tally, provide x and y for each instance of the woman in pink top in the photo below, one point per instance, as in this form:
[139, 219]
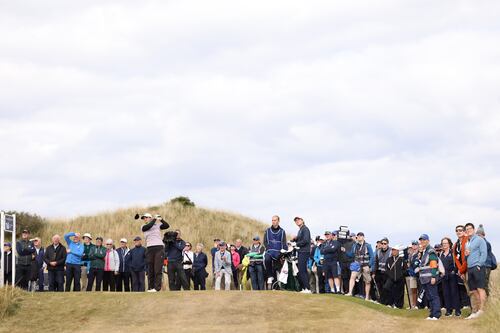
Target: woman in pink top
[236, 261]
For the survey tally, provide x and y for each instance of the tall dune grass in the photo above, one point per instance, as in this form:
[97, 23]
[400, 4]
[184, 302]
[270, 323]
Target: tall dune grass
[197, 225]
[490, 321]
[10, 300]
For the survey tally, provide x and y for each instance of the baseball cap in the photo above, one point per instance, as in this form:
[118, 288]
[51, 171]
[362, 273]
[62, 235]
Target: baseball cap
[414, 242]
[87, 235]
[297, 218]
[7, 244]
[328, 232]
[424, 237]
[352, 234]
[335, 233]
[256, 238]
[123, 240]
[26, 231]
[137, 238]
[222, 243]
[146, 215]
[361, 234]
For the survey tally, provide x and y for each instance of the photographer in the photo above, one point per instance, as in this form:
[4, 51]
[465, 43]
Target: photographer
[155, 249]
[174, 247]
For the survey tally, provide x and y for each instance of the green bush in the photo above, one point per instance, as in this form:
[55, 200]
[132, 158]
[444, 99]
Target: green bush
[33, 222]
[184, 201]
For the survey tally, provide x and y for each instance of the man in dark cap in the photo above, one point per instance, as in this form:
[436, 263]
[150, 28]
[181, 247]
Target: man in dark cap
[7, 263]
[136, 260]
[364, 262]
[25, 250]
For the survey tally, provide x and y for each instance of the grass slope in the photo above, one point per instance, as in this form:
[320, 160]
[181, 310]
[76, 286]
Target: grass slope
[196, 224]
[212, 311]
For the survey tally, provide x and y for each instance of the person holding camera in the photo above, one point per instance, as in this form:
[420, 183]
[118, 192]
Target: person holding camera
[155, 248]
[174, 247]
[223, 262]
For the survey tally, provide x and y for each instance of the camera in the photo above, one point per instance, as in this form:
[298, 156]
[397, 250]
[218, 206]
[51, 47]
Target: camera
[169, 237]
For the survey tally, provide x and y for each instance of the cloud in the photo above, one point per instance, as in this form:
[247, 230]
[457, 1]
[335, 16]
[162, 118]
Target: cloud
[382, 116]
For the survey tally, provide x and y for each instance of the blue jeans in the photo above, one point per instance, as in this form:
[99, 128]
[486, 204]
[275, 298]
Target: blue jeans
[431, 291]
[257, 276]
[302, 266]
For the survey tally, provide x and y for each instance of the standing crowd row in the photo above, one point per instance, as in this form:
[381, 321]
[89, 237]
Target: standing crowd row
[454, 275]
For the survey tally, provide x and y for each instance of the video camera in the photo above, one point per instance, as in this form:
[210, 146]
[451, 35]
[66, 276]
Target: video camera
[170, 237]
[343, 234]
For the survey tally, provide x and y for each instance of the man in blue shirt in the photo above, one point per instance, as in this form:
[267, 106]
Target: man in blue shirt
[73, 260]
[476, 254]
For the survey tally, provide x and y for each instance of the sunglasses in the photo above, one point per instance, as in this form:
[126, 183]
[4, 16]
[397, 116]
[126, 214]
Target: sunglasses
[459, 230]
[109, 244]
[383, 243]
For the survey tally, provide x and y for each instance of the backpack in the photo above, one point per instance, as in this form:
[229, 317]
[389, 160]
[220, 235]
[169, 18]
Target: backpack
[493, 262]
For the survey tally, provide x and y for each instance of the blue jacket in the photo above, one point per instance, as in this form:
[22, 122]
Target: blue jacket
[39, 258]
[124, 265]
[355, 248]
[318, 256]
[136, 259]
[478, 251]
[200, 261]
[173, 251]
[75, 256]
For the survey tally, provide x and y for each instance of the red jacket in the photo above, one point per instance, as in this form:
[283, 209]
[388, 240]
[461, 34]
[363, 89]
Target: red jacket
[460, 260]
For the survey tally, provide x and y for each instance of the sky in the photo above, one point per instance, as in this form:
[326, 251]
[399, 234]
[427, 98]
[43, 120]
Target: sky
[380, 115]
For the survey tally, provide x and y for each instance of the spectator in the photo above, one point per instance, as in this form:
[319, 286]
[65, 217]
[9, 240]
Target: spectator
[428, 274]
[461, 263]
[38, 266]
[155, 249]
[382, 254]
[450, 280]
[411, 279]
[174, 252]
[223, 267]
[7, 263]
[137, 263]
[123, 277]
[234, 265]
[330, 251]
[73, 261]
[200, 262]
[87, 247]
[346, 261]
[96, 256]
[491, 261]
[362, 253]
[213, 251]
[25, 251]
[55, 258]
[111, 267]
[256, 267]
[303, 242]
[274, 242]
[476, 252]
[242, 251]
[187, 261]
[395, 278]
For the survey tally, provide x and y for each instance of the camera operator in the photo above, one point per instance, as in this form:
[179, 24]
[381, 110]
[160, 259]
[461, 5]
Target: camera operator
[155, 249]
[174, 247]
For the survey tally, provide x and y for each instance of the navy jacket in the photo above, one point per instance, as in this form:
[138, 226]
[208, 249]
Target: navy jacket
[39, 257]
[331, 251]
[173, 250]
[200, 261]
[124, 266]
[136, 259]
[303, 240]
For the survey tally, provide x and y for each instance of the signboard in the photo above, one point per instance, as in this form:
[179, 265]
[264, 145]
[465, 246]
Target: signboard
[9, 223]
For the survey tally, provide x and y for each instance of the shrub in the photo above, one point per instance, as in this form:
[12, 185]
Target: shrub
[184, 201]
[33, 222]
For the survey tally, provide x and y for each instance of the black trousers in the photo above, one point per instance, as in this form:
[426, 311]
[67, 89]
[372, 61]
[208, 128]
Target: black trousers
[321, 280]
[56, 280]
[302, 266]
[23, 276]
[95, 274]
[380, 279]
[138, 281]
[108, 281]
[199, 280]
[123, 281]
[177, 276]
[396, 295]
[73, 273]
[154, 260]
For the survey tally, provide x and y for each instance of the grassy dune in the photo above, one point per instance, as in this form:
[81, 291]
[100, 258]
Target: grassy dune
[196, 224]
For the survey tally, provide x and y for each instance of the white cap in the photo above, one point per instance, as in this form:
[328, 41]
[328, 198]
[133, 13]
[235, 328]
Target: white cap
[87, 235]
[398, 247]
[123, 240]
[146, 215]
